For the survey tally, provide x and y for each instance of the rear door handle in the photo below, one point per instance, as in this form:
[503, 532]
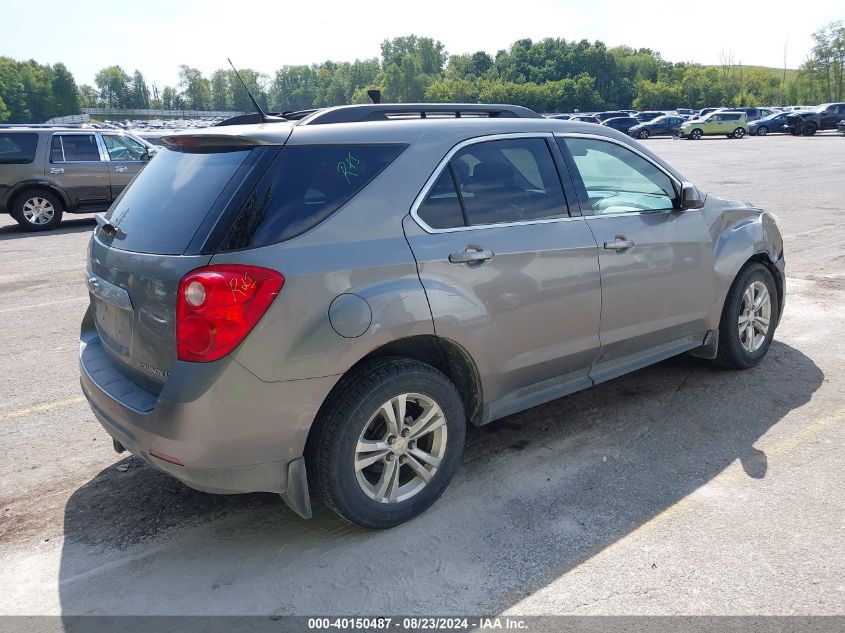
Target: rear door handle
[471, 255]
[57, 170]
[120, 169]
[619, 243]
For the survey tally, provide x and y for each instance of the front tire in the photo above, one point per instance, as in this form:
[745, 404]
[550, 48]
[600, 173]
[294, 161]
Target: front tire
[808, 129]
[762, 130]
[748, 318]
[37, 210]
[643, 134]
[389, 441]
[695, 134]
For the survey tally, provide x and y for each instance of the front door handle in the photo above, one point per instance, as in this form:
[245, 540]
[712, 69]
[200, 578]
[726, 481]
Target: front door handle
[120, 169]
[471, 255]
[619, 243]
[57, 170]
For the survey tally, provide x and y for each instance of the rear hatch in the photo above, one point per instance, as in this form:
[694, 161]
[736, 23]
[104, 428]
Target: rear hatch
[165, 224]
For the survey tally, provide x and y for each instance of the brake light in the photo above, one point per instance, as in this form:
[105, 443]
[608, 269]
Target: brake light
[218, 306]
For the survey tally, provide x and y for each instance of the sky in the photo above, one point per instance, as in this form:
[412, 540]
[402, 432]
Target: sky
[155, 36]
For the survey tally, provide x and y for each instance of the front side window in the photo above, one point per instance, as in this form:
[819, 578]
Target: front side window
[74, 148]
[122, 147]
[619, 181]
[17, 148]
[302, 187]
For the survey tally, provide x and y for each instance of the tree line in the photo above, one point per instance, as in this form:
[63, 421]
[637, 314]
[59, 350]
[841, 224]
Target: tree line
[551, 75]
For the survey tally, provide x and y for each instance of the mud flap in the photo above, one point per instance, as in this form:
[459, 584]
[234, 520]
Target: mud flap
[710, 348]
[297, 497]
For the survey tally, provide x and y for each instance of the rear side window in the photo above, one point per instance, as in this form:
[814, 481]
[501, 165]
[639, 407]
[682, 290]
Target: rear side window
[732, 117]
[508, 181]
[302, 187]
[161, 210]
[74, 148]
[17, 149]
[441, 208]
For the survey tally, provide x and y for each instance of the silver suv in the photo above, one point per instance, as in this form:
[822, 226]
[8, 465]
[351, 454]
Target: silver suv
[46, 171]
[331, 299]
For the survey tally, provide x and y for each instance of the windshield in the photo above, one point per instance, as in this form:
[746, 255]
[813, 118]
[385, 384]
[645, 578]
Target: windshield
[659, 119]
[821, 108]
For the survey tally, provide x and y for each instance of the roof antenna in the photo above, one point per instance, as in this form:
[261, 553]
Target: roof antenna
[262, 116]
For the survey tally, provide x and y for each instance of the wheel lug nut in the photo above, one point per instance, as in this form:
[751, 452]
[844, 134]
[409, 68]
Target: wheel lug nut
[389, 457]
[391, 440]
[412, 445]
[406, 432]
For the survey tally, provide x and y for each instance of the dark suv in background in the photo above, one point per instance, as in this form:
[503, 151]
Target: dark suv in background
[48, 171]
[807, 122]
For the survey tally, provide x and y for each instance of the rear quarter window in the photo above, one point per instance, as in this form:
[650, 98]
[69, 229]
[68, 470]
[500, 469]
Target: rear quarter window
[17, 148]
[302, 187]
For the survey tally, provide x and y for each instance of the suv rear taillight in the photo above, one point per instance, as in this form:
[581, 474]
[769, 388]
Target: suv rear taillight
[218, 306]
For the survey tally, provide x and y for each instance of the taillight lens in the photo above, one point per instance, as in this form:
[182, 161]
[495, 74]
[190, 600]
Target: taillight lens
[218, 306]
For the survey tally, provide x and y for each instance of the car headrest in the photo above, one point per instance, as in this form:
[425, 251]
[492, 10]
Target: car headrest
[493, 175]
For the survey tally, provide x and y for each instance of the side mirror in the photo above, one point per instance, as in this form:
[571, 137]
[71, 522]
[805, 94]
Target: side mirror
[691, 197]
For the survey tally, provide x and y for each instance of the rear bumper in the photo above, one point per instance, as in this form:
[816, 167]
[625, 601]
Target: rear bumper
[229, 431]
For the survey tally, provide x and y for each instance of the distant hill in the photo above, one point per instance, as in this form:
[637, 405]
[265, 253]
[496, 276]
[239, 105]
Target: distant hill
[791, 73]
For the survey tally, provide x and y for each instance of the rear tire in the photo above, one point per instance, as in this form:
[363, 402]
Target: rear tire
[742, 340]
[403, 469]
[739, 133]
[37, 210]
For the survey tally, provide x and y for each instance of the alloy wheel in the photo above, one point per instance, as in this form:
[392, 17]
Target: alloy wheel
[755, 314]
[400, 448]
[38, 210]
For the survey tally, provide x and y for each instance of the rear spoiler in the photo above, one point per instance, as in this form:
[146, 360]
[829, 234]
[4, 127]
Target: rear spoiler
[207, 143]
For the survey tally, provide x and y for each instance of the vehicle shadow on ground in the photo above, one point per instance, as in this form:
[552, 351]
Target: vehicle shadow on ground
[537, 494]
[77, 225]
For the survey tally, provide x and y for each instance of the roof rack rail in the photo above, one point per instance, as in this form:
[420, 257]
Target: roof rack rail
[388, 111]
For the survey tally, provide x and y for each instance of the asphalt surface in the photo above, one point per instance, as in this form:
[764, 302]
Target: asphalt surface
[679, 489]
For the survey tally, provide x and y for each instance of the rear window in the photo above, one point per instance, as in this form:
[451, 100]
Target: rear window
[161, 210]
[302, 187]
[17, 149]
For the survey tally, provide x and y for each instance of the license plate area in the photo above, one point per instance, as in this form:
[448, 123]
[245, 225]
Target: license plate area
[113, 314]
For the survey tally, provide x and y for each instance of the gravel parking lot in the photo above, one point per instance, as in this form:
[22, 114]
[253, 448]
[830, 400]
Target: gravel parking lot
[681, 488]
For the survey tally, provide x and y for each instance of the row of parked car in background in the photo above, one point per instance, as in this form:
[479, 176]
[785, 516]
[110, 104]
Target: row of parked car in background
[48, 170]
[729, 122]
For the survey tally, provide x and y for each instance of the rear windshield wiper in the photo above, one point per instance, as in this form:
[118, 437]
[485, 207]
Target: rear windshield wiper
[109, 228]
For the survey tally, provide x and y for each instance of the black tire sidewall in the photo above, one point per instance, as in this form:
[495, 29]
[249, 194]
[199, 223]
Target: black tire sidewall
[731, 351]
[20, 200]
[338, 477]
